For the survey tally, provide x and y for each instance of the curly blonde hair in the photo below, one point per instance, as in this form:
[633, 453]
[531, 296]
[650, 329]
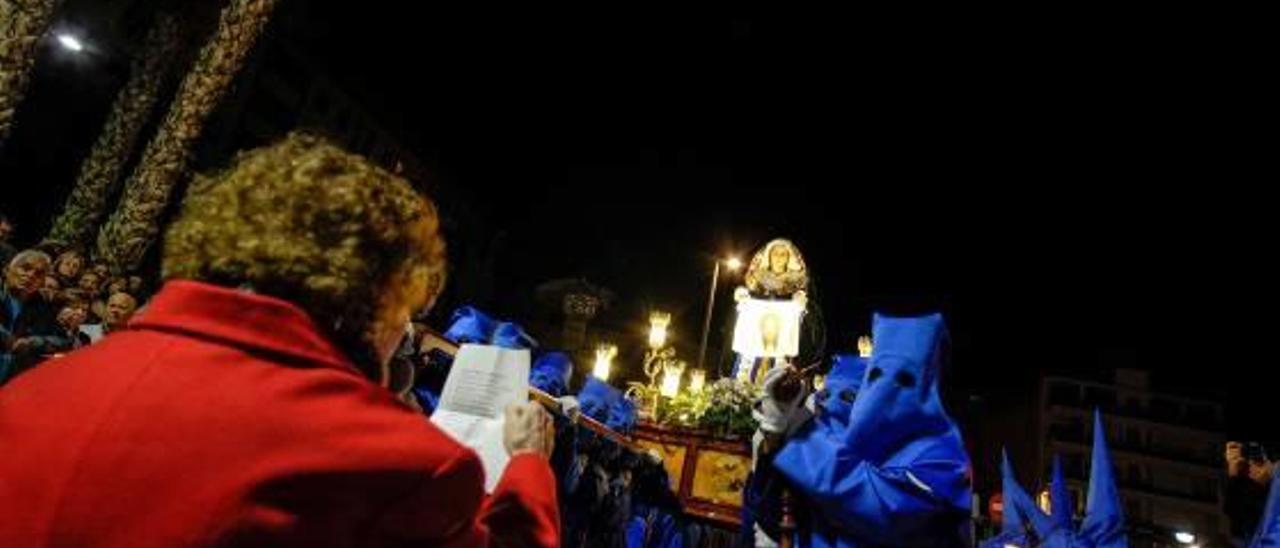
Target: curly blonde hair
[327, 230]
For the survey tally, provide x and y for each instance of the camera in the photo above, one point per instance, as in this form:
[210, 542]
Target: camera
[1254, 452]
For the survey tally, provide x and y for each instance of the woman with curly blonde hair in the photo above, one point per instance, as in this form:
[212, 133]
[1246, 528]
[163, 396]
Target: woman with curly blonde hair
[248, 404]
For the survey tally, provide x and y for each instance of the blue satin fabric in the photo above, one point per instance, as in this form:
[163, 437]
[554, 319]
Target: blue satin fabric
[510, 335]
[550, 373]
[1023, 523]
[1020, 511]
[834, 403]
[622, 415]
[652, 527]
[596, 399]
[1103, 525]
[470, 325]
[1060, 504]
[1268, 533]
[607, 405]
[899, 475]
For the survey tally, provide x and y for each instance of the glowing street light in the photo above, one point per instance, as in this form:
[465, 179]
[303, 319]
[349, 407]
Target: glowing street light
[1184, 537]
[70, 42]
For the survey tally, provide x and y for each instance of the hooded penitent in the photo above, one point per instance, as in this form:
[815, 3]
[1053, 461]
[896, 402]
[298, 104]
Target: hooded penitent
[899, 474]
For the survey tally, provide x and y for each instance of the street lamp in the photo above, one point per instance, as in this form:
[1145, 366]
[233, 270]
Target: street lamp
[1184, 537]
[70, 42]
[733, 264]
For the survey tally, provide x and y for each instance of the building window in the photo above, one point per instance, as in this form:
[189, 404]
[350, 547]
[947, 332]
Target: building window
[1135, 475]
[1101, 398]
[1165, 410]
[1064, 394]
[1201, 415]
[1133, 508]
[1073, 466]
[1068, 429]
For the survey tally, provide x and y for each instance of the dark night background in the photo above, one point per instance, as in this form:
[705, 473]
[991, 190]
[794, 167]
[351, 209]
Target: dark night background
[1063, 186]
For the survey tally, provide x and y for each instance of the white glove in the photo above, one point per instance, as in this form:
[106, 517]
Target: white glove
[570, 407]
[775, 416]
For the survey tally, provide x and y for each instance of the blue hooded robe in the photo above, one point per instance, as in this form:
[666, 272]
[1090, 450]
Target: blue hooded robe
[1062, 531]
[1023, 523]
[1056, 530]
[1268, 533]
[1103, 525]
[550, 373]
[467, 326]
[834, 402]
[596, 399]
[832, 405]
[899, 475]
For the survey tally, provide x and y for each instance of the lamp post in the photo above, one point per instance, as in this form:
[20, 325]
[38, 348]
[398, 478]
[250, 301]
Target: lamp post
[732, 263]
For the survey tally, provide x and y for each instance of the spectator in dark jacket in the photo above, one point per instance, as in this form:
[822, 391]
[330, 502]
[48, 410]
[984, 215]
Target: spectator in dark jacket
[28, 323]
[70, 318]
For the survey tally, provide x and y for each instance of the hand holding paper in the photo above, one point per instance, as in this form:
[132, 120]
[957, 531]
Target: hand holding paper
[529, 428]
[483, 382]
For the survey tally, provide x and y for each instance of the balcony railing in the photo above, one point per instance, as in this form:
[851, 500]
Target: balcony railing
[1156, 410]
[1077, 435]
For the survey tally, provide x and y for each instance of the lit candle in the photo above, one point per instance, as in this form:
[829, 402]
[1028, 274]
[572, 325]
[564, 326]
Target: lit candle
[697, 378]
[604, 361]
[671, 382]
[658, 322]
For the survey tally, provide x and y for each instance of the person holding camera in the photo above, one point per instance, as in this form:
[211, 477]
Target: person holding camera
[1249, 473]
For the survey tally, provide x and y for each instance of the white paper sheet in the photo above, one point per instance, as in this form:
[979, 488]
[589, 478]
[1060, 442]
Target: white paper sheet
[483, 381]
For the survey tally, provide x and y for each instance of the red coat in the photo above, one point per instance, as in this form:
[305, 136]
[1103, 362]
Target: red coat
[225, 418]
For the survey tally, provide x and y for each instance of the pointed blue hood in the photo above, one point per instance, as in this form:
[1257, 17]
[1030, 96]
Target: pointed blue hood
[1060, 504]
[1020, 511]
[597, 399]
[550, 373]
[899, 476]
[1268, 534]
[899, 400]
[470, 325]
[835, 400]
[1103, 525]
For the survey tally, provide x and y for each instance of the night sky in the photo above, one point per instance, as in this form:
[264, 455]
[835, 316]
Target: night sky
[1064, 188]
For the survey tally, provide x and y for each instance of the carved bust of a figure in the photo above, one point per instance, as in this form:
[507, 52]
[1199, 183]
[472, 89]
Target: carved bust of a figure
[777, 271]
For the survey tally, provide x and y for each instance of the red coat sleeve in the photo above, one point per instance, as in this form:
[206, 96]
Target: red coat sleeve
[451, 509]
[523, 510]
